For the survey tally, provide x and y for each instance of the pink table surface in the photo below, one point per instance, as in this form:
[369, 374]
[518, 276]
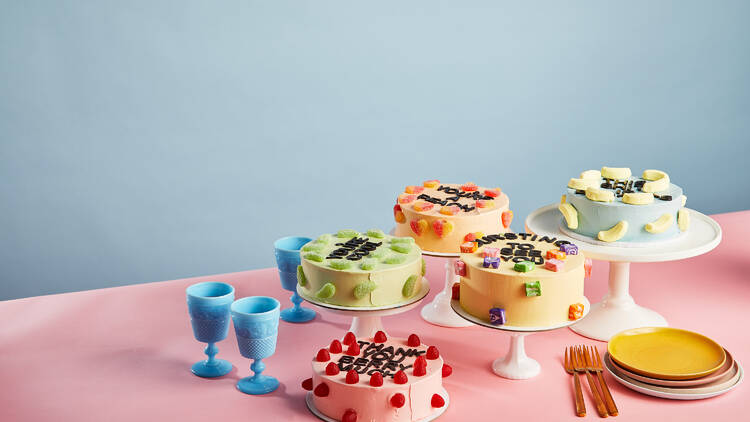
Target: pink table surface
[123, 354]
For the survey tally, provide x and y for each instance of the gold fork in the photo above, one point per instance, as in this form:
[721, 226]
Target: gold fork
[579, 366]
[580, 405]
[594, 364]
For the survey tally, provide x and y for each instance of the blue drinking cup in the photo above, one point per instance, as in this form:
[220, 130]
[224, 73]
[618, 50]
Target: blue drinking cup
[208, 306]
[256, 323]
[287, 250]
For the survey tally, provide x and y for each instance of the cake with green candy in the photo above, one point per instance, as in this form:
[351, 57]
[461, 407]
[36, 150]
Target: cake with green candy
[368, 269]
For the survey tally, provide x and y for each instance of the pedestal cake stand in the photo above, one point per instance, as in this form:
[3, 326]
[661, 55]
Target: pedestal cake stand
[618, 311]
[516, 365]
[366, 321]
[439, 312]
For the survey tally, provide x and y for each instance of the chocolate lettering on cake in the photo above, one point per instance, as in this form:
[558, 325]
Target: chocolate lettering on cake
[354, 249]
[621, 187]
[377, 357]
[455, 196]
[520, 251]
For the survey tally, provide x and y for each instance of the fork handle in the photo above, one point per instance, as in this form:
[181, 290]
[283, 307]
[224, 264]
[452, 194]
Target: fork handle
[608, 400]
[600, 408]
[580, 405]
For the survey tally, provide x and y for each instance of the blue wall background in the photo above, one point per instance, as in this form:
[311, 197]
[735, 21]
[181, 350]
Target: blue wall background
[152, 140]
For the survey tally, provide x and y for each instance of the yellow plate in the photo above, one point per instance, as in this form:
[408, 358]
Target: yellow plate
[666, 353]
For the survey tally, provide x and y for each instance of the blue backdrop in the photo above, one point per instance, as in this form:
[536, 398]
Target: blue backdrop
[153, 140]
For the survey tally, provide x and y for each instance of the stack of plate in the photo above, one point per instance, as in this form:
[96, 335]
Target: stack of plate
[671, 363]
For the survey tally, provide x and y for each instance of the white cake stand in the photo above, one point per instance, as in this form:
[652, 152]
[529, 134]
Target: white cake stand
[366, 321]
[516, 365]
[439, 312]
[433, 416]
[618, 311]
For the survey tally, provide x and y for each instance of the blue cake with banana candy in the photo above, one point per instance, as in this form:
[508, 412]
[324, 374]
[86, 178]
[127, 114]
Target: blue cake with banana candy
[613, 206]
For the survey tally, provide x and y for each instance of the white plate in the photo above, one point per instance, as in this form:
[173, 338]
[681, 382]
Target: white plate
[419, 296]
[667, 393]
[316, 412]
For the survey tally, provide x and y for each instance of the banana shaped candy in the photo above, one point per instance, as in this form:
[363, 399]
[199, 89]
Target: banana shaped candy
[600, 195]
[570, 214]
[638, 198]
[616, 173]
[658, 181]
[591, 174]
[660, 224]
[683, 219]
[582, 184]
[615, 233]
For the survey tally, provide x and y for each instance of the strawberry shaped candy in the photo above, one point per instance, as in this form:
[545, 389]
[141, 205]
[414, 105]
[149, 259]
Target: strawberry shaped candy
[349, 338]
[349, 416]
[380, 337]
[352, 377]
[419, 227]
[335, 347]
[413, 341]
[398, 400]
[332, 368]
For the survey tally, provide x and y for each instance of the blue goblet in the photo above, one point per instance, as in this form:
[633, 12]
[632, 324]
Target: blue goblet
[287, 259]
[208, 306]
[256, 323]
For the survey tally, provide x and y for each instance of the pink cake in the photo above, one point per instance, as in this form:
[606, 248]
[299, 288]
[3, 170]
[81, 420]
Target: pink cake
[377, 379]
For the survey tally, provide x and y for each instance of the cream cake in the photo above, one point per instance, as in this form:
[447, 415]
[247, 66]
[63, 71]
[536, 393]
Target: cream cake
[377, 379]
[355, 269]
[439, 216]
[522, 280]
[612, 205]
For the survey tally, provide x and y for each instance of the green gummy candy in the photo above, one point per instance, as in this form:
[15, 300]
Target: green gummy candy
[424, 267]
[524, 266]
[313, 257]
[408, 289]
[378, 253]
[399, 240]
[301, 279]
[328, 290]
[533, 288]
[363, 289]
[394, 259]
[339, 264]
[347, 233]
[401, 247]
[324, 238]
[368, 264]
[376, 233]
[312, 247]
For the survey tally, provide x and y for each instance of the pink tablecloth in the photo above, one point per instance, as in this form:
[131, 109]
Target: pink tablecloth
[123, 354]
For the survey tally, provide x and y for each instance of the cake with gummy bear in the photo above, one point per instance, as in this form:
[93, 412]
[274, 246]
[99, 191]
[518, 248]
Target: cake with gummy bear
[441, 216]
[612, 205]
[355, 269]
[522, 280]
[378, 379]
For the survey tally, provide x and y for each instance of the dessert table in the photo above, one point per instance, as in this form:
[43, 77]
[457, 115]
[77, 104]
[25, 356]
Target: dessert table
[124, 353]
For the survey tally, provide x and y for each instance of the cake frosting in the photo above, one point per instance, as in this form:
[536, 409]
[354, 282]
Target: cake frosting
[612, 205]
[355, 269]
[377, 379]
[439, 216]
[522, 280]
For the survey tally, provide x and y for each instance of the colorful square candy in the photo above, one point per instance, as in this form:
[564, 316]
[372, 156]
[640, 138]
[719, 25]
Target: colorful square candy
[587, 264]
[524, 266]
[497, 316]
[491, 262]
[490, 252]
[555, 254]
[575, 311]
[533, 288]
[569, 249]
[460, 268]
[469, 247]
[554, 265]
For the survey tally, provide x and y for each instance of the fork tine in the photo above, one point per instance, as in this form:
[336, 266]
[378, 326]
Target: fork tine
[597, 359]
[566, 358]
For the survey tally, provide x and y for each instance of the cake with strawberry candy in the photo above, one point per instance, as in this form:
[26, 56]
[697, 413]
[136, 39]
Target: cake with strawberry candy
[353, 269]
[522, 280]
[439, 216]
[378, 379]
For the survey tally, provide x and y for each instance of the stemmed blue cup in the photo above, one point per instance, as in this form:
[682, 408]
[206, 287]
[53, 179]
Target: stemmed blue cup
[256, 323]
[208, 306]
[287, 259]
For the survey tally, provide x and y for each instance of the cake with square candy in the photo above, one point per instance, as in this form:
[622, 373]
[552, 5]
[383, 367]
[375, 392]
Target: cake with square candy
[353, 269]
[439, 216]
[612, 205]
[522, 280]
[378, 379]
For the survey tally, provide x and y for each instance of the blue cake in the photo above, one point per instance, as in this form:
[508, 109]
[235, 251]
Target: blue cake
[611, 205]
